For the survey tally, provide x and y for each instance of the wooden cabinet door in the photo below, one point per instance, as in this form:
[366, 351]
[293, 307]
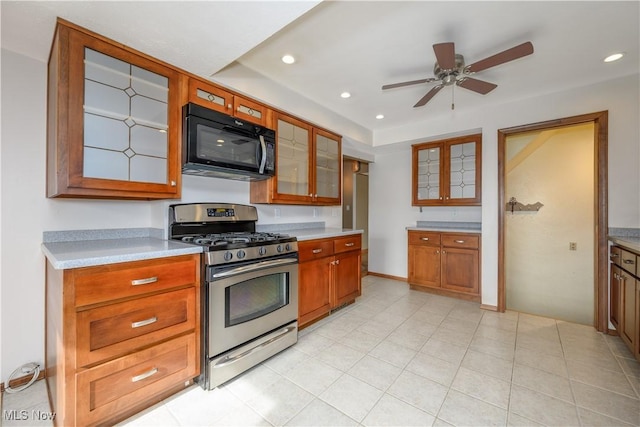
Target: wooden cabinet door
[424, 265]
[627, 319]
[346, 278]
[114, 120]
[460, 270]
[637, 323]
[614, 296]
[313, 292]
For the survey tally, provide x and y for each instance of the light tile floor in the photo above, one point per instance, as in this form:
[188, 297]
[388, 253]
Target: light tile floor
[404, 358]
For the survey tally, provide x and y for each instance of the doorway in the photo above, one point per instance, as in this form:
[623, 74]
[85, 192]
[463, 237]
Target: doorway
[355, 203]
[597, 215]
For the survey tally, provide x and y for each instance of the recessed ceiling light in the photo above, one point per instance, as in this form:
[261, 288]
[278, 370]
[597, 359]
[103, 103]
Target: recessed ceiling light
[380, 116]
[288, 59]
[613, 57]
[345, 95]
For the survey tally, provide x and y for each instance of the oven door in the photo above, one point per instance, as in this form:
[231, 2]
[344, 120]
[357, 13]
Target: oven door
[247, 301]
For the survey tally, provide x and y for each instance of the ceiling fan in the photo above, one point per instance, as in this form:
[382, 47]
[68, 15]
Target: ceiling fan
[450, 69]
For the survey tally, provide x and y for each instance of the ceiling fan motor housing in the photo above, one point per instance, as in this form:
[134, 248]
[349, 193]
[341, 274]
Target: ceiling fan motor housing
[448, 76]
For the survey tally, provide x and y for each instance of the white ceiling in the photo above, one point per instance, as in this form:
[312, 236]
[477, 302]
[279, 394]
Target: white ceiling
[358, 46]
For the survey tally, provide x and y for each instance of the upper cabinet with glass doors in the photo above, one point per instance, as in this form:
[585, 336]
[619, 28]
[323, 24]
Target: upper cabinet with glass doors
[113, 120]
[308, 166]
[448, 172]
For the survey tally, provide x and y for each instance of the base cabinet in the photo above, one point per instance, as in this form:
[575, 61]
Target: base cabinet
[445, 263]
[624, 294]
[120, 337]
[328, 275]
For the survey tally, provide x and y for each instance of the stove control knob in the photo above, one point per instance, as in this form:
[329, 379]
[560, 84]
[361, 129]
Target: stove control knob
[262, 250]
[287, 247]
[279, 248]
[241, 254]
[228, 256]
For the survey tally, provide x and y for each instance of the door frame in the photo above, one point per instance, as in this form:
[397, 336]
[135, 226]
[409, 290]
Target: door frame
[600, 121]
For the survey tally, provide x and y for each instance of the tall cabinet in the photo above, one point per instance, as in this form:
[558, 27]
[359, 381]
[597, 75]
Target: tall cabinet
[113, 120]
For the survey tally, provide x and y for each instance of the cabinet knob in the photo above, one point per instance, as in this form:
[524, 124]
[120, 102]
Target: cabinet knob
[349, 244]
[459, 241]
[444, 252]
[316, 251]
[426, 239]
[437, 251]
[628, 261]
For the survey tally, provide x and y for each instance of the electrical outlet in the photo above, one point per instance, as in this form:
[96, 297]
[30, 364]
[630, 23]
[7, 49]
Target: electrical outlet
[276, 212]
[315, 212]
[573, 246]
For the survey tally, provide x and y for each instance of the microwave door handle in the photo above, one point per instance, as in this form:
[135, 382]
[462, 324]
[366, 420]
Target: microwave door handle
[263, 160]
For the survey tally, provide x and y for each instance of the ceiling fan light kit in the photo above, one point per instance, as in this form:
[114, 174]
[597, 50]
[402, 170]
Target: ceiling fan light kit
[450, 69]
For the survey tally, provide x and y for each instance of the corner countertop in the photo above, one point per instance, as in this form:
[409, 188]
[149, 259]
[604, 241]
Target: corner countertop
[447, 226]
[321, 233]
[628, 242]
[100, 247]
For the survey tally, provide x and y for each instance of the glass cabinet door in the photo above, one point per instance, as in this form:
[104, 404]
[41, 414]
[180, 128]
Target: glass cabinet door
[462, 171]
[125, 121]
[327, 166]
[428, 173]
[293, 158]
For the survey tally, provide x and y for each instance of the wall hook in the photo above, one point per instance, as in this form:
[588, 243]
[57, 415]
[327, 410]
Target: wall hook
[515, 206]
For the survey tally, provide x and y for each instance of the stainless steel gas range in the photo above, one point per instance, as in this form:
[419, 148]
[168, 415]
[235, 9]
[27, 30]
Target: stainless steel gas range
[250, 286]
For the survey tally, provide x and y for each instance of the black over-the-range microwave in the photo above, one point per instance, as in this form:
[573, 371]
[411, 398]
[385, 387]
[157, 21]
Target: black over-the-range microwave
[216, 144]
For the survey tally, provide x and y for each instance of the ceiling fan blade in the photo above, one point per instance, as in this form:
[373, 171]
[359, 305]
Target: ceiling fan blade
[409, 83]
[476, 85]
[519, 51]
[445, 55]
[428, 96]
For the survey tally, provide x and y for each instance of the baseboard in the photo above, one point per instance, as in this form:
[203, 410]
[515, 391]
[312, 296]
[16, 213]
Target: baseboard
[387, 276]
[20, 381]
[488, 307]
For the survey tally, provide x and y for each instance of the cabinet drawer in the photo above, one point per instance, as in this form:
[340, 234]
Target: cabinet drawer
[468, 241]
[115, 281]
[346, 244]
[110, 389]
[430, 238]
[628, 261]
[312, 249]
[117, 329]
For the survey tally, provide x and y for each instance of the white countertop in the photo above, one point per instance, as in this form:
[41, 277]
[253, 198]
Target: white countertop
[629, 242]
[87, 253]
[320, 233]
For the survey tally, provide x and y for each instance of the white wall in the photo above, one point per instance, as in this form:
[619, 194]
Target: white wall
[391, 210]
[26, 212]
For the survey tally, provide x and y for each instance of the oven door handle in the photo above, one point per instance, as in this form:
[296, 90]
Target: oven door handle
[252, 267]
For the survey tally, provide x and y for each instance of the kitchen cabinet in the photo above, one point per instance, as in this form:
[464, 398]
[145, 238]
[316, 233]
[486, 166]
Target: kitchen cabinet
[216, 98]
[308, 166]
[328, 275]
[445, 263]
[120, 337]
[624, 297]
[113, 120]
[447, 172]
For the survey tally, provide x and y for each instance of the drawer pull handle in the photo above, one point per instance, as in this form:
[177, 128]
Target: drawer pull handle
[459, 241]
[426, 239]
[146, 281]
[614, 255]
[144, 375]
[316, 251]
[628, 261]
[349, 244]
[144, 322]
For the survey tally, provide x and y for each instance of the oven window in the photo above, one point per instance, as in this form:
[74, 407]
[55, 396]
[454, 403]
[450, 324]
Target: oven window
[255, 298]
[222, 146]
